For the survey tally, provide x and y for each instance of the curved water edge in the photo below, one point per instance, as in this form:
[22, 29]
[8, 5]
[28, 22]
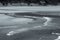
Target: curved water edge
[26, 29]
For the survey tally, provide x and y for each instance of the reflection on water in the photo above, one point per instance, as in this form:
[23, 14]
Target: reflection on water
[29, 28]
[48, 20]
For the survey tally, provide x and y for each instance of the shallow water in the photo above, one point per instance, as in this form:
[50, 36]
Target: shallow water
[40, 28]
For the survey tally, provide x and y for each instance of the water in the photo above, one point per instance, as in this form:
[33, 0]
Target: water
[40, 28]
